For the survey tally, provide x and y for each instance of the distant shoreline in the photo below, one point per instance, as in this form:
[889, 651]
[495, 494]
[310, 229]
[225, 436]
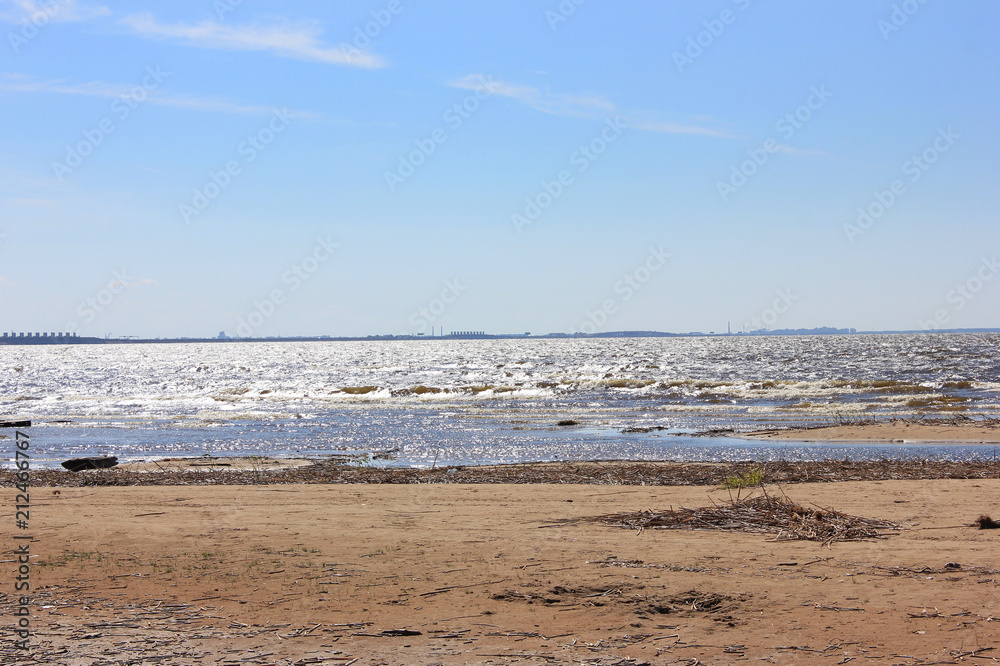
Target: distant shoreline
[56, 339]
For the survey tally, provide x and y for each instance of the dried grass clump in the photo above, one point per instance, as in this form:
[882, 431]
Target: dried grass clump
[765, 513]
[986, 523]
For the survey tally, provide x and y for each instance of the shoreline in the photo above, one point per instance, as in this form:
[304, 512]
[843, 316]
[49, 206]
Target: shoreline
[620, 473]
[257, 470]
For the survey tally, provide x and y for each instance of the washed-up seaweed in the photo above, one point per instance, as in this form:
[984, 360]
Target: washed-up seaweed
[623, 473]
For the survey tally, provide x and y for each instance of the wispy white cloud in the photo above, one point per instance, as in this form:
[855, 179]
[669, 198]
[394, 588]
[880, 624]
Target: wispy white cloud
[22, 11]
[668, 127]
[10, 82]
[299, 42]
[788, 150]
[581, 106]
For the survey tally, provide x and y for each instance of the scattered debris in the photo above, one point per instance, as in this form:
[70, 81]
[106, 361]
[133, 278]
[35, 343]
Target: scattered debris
[341, 469]
[764, 513]
[400, 632]
[635, 597]
[695, 602]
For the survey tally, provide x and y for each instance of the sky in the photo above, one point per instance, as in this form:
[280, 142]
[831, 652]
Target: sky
[379, 167]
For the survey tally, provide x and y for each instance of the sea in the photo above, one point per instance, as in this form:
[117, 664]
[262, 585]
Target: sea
[425, 403]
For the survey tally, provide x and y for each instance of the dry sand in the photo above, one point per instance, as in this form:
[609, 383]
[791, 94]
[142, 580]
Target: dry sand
[337, 574]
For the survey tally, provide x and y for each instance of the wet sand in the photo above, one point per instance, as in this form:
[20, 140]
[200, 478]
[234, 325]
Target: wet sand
[209, 463]
[893, 432]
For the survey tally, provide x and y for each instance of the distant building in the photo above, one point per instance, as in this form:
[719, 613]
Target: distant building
[222, 335]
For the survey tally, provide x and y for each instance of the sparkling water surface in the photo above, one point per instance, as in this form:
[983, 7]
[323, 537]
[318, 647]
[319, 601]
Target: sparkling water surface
[486, 401]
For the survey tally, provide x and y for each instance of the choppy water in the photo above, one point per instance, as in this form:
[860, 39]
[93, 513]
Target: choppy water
[490, 400]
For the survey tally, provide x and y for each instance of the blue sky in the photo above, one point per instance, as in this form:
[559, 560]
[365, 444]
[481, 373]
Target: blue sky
[181, 168]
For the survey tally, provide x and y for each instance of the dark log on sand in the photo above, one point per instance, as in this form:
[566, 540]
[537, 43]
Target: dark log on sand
[102, 462]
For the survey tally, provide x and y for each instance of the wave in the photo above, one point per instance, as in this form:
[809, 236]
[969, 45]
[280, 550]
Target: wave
[739, 378]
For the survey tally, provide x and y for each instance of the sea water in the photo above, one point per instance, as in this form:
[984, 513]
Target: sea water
[485, 401]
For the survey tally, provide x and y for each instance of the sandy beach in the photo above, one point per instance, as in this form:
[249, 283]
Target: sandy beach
[350, 573]
[933, 431]
[255, 561]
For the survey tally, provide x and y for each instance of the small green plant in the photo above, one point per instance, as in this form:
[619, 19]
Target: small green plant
[256, 467]
[747, 479]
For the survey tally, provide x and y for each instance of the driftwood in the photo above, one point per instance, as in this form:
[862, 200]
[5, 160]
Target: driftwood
[101, 462]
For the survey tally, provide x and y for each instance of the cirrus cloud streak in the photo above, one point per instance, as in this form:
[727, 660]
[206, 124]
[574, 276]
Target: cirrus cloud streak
[298, 42]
